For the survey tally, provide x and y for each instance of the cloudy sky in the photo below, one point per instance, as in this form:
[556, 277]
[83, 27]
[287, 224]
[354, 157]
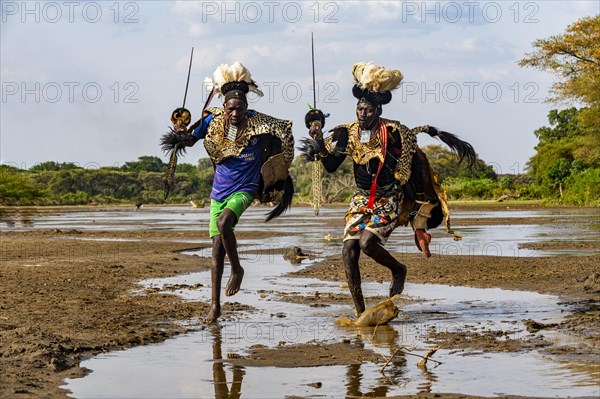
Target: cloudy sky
[94, 82]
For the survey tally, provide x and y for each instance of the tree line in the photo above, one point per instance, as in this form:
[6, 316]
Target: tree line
[141, 181]
[564, 169]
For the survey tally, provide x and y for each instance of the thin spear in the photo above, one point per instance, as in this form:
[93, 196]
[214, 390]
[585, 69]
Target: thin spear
[187, 83]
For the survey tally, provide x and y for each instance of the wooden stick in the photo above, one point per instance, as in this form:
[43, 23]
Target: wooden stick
[423, 362]
[389, 360]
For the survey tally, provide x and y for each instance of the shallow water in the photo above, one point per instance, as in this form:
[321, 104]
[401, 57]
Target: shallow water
[497, 240]
[192, 366]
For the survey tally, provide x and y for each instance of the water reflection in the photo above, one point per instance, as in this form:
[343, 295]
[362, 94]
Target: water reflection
[384, 340]
[17, 220]
[227, 379]
[429, 380]
[197, 365]
[222, 391]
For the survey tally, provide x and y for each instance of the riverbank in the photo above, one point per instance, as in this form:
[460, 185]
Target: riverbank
[68, 294]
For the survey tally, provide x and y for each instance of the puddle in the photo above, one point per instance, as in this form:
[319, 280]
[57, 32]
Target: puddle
[196, 365]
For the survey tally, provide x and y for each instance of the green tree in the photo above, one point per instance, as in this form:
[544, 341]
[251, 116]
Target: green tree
[565, 148]
[206, 173]
[145, 164]
[186, 168]
[557, 173]
[444, 163]
[507, 182]
[558, 141]
[583, 187]
[568, 153]
[574, 57]
[565, 124]
[53, 166]
[17, 188]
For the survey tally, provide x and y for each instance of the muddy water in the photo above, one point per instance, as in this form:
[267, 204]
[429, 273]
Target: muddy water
[192, 366]
[195, 366]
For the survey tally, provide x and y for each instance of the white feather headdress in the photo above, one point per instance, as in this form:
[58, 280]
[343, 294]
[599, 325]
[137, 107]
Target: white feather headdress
[375, 78]
[232, 73]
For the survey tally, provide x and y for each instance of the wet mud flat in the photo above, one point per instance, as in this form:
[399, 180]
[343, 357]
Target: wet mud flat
[69, 293]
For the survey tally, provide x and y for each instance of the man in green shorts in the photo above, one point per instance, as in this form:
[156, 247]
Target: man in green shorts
[252, 153]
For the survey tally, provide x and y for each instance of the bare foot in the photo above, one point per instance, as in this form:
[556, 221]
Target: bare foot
[397, 284]
[235, 282]
[213, 315]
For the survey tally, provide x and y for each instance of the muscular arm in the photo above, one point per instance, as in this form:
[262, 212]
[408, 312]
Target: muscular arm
[336, 157]
[333, 161]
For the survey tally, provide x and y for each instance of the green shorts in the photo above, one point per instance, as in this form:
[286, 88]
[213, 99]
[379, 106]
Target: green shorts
[236, 202]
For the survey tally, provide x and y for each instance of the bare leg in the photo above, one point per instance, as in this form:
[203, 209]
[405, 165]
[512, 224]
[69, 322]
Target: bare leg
[216, 274]
[225, 223]
[369, 244]
[351, 254]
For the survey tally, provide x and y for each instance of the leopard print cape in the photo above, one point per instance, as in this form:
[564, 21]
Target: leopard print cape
[219, 147]
[274, 170]
[362, 153]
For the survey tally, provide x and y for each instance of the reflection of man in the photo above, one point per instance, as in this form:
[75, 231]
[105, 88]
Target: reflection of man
[385, 338]
[219, 377]
[252, 153]
[394, 183]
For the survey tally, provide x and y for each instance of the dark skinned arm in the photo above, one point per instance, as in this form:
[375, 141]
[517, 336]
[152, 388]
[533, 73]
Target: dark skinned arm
[334, 159]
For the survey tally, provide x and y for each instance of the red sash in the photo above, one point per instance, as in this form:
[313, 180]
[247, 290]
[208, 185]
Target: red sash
[383, 134]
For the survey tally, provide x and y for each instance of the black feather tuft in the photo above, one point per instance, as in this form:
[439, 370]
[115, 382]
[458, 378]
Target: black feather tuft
[236, 85]
[310, 148]
[464, 150]
[374, 97]
[286, 200]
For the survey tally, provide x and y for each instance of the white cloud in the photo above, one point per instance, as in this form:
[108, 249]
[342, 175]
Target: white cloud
[468, 45]
[383, 10]
[7, 73]
[187, 8]
[491, 74]
[255, 53]
[154, 54]
[197, 30]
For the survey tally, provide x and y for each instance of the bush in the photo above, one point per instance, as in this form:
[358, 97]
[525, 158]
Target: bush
[529, 191]
[463, 188]
[583, 188]
[78, 198]
[17, 188]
